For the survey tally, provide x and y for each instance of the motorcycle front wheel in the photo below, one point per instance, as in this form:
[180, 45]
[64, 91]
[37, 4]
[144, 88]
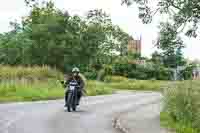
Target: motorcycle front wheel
[69, 102]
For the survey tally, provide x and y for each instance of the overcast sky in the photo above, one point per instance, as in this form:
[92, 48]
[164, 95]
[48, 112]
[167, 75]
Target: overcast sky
[126, 18]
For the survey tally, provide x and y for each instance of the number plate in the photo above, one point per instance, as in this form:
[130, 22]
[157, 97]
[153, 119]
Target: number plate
[71, 87]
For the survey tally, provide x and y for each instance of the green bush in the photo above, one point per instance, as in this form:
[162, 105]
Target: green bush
[138, 75]
[141, 72]
[91, 75]
[181, 102]
[115, 79]
[162, 73]
[107, 70]
[120, 69]
[187, 72]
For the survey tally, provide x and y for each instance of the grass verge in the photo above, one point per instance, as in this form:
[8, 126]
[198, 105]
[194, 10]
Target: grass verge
[25, 90]
[181, 110]
[40, 83]
[175, 127]
[140, 85]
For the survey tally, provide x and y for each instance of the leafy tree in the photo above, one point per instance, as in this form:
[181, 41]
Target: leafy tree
[171, 45]
[182, 13]
[156, 58]
[121, 40]
[52, 37]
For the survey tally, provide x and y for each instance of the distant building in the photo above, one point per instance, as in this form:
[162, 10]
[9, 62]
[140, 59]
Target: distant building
[135, 46]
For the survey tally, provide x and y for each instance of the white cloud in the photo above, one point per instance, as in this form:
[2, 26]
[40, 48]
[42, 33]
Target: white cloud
[126, 18]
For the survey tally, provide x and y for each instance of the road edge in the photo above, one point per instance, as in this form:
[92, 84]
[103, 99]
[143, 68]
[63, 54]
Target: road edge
[116, 123]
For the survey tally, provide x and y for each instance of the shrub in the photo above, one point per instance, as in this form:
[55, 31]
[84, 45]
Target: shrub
[91, 75]
[107, 70]
[182, 103]
[141, 72]
[115, 79]
[137, 74]
[168, 122]
[187, 72]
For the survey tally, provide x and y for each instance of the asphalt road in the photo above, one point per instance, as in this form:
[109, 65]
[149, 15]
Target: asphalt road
[95, 115]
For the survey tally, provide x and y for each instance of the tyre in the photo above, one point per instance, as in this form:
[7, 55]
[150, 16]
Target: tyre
[74, 101]
[69, 102]
[68, 108]
[74, 108]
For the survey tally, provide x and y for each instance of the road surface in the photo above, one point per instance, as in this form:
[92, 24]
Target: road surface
[95, 115]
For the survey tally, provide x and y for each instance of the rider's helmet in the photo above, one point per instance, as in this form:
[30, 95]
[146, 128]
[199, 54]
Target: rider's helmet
[75, 70]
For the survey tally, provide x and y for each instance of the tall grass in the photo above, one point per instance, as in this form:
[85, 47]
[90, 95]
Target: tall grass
[182, 105]
[38, 83]
[140, 85]
[25, 90]
[21, 83]
[98, 88]
[35, 72]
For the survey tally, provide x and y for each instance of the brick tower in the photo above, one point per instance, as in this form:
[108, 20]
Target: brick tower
[135, 46]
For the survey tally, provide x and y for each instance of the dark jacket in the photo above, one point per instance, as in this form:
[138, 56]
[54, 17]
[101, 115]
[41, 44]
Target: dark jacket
[78, 79]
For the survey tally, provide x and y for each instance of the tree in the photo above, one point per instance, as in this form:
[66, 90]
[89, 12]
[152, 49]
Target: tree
[156, 58]
[171, 45]
[111, 38]
[49, 36]
[182, 13]
[121, 39]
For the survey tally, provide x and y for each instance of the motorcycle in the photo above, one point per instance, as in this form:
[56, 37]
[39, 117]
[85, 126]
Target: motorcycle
[72, 99]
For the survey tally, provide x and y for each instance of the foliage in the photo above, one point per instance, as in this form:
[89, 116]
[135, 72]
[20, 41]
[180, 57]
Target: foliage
[183, 14]
[187, 72]
[168, 122]
[98, 88]
[38, 83]
[181, 103]
[140, 85]
[106, 70]
[180, 14]
[157, 58]
[149, 70]
[41, 83]
[31, 73]
[171, 45]
[92, 75]
[115, 79]
[49, 36]
[26, 90]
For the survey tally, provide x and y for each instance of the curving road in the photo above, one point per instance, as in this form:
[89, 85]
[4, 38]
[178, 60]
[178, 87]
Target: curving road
[95, 115]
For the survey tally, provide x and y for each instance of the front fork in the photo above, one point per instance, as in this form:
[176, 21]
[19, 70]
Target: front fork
[72, 97]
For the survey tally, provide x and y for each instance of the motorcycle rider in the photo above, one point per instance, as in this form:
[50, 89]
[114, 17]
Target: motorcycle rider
[75, 76]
